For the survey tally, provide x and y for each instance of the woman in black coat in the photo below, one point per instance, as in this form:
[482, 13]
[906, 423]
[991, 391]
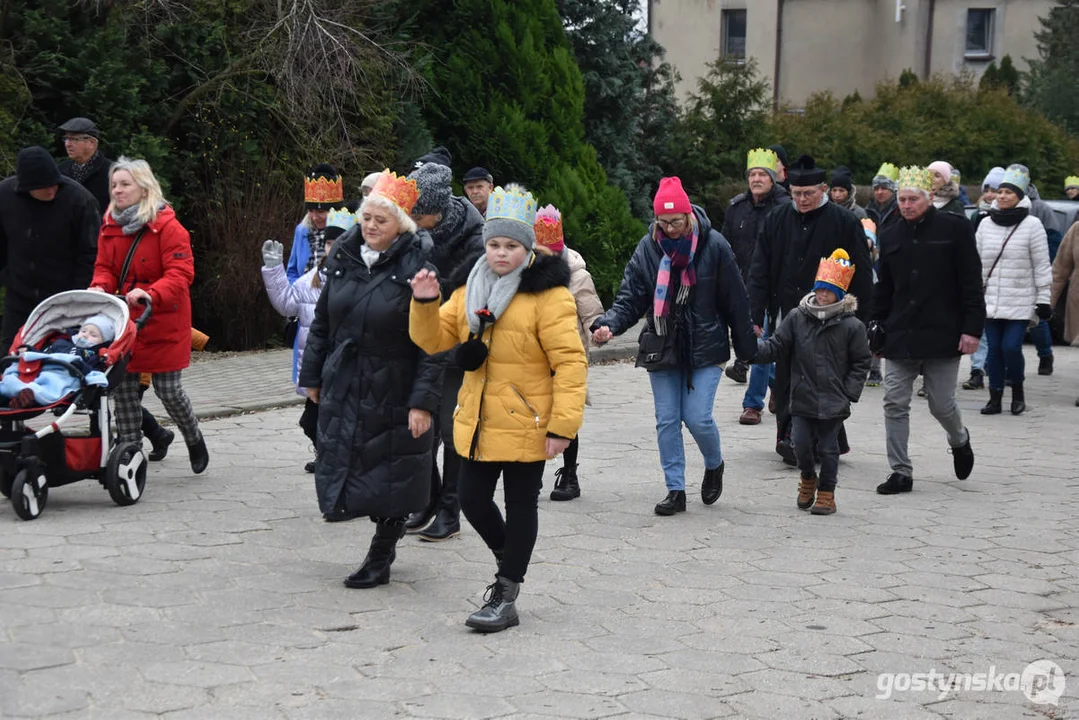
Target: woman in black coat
[375, 389]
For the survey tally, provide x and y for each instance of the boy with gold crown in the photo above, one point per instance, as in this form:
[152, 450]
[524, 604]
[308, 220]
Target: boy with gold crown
[827, 351]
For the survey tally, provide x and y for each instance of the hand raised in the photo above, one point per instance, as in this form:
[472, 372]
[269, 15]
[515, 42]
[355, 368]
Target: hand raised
[272, 253]
[425, 285]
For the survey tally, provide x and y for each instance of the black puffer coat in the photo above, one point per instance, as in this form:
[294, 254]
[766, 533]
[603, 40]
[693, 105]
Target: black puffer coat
[718, 307]
[744, 221]
[370, 374]
[829, 360]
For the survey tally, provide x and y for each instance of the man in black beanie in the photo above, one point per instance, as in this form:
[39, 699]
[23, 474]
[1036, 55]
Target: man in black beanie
[781, 169]
[48, 237]
[456, 229]
[795, 238]
[841, 192]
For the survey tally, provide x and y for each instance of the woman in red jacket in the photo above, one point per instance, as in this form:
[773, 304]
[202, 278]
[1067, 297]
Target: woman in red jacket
[144, 253]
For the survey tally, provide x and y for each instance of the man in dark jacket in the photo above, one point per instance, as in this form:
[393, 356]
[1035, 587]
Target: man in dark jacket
[456, 232]
[883, 208]
[48, 237]
[795, 238]
[85, 164]
[930, 306]
[742, 226]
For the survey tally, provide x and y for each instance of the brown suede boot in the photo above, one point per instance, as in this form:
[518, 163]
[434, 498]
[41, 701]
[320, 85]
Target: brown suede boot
[806, 490]
[825, 503]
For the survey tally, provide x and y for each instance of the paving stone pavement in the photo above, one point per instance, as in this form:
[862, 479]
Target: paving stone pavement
[220, 596]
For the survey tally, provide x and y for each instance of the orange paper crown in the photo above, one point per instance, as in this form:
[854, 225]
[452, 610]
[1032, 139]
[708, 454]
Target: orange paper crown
[322, 190]
[401, 191]
[549, 228]
[836, 270]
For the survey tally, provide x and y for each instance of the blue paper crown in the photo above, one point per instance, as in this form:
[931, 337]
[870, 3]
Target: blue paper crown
[512, 204]
[1017, 176]
[340, 218]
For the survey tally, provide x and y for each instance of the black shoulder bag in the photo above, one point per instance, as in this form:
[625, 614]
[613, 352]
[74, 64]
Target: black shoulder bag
[127, 262]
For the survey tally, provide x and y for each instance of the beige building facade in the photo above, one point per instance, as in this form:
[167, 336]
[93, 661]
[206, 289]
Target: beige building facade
[805, 46]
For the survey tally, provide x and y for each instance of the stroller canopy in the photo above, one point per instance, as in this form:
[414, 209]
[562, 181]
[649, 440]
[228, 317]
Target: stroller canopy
[71, 309]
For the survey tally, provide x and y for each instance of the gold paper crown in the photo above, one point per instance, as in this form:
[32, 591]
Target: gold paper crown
[889, 171]
[916, 178]
[511, 203]
[323, 190]
[761, 158]
[549, 226]
[401, 191]
[836, 270]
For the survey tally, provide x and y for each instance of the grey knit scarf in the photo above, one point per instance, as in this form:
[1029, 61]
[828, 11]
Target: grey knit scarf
[450, 224]
[128, 219]
[487, 289]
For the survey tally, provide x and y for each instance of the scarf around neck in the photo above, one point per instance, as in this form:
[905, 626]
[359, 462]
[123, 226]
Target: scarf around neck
[825, 312]
[487, 290]
[450, 224]
[79, 172]
[1009, 217]
[678, 254]
[128, 219]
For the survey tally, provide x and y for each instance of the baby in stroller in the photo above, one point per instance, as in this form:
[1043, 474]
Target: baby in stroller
[35, 381]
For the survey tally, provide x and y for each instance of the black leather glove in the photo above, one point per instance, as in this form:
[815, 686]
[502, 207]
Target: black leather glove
[1043, 311]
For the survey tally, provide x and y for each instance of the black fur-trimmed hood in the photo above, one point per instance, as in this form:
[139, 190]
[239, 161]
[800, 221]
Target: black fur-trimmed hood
[546, 272]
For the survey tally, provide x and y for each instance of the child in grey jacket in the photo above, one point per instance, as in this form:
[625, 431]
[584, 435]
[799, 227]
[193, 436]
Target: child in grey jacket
[827, 351]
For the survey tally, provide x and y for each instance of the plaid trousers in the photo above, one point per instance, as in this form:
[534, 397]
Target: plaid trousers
[127, 409]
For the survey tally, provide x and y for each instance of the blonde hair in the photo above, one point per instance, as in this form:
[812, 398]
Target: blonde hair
[144, 178]
[407, 224]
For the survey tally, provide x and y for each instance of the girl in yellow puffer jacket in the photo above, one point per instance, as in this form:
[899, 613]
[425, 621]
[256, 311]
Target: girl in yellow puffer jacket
[523, 396]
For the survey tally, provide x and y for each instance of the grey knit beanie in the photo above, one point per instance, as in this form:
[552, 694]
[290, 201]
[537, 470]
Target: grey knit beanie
[433, 182]
[513, 229]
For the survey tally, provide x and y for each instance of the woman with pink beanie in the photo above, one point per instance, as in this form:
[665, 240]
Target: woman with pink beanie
[946, 188]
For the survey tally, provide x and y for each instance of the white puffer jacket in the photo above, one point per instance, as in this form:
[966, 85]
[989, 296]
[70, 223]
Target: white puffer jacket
[1022, 278]
[293, 300]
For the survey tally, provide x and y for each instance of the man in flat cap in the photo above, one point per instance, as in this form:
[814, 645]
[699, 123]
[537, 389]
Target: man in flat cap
[478, 186]
[86, 164]
[48, 237]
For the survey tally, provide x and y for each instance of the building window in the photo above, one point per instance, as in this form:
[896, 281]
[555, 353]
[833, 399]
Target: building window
[734, 35]
[980, 33]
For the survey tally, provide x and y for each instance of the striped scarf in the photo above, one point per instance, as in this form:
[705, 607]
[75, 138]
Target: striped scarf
[677, 255]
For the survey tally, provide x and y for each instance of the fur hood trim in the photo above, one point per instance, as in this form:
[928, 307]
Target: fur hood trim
[847, 306]
[546, 272]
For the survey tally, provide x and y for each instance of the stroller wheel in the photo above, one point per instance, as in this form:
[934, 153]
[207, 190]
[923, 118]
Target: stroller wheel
[29, 495]
[125, 474]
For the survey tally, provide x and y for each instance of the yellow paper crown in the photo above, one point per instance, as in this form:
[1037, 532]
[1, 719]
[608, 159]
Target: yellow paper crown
[401, 191]
[916, 178]
[1072, 181]
[761, 158]
[323, 190]
[836, 270]
[512, 203]
[889, 171]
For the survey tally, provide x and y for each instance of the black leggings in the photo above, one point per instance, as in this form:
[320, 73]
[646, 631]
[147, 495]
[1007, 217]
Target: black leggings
[569, 457]
[516, 535]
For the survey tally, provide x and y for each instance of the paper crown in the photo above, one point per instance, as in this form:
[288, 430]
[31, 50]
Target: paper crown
[512, 203]
[321, 189]
[549, 228]
[889, 171]
[402, 192]
[1016, 176]
[836, 270]
[341, 218]
[761, 158]
[1072, 181]
[916, 178]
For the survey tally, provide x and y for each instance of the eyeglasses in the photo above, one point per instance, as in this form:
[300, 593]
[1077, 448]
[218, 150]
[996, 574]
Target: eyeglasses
[804, 194]
[671, 224]
[80, 138]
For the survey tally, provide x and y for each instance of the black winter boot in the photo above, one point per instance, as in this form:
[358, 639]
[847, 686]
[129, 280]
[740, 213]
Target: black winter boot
[712, 485]
[675, 502]
[1019, 400]
[1045, 365]
[376, 566]
[200, 456]
[447, 524]
[499, 610]
[993, 407]
[419, 520]
[566, 485]
[160, 444]
[976, 381]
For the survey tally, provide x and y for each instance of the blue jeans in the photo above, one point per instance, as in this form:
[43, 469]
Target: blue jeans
[1005, 359]
[977, 360]
[676, 404]
[761, 378]
[1042, 337]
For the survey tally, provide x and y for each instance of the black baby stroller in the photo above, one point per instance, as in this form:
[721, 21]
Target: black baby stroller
[62, 451]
